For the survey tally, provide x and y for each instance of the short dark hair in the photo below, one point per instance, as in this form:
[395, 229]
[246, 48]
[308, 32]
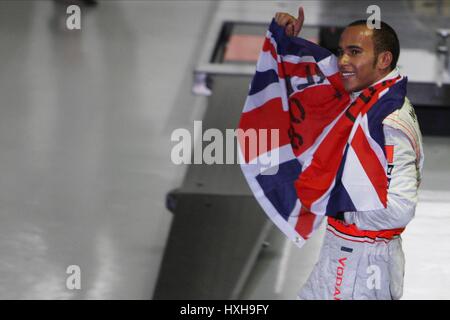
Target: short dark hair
[384, 39]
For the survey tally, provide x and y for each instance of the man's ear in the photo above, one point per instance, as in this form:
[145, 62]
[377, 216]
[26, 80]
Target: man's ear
[384, 60]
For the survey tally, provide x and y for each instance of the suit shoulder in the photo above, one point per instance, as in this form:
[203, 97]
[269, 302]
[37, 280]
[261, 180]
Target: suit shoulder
[404, 119]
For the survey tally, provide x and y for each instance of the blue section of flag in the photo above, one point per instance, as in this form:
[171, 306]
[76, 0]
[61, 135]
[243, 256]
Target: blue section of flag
[279, 188]
[262, 80]
[339, 198]
[387, 104]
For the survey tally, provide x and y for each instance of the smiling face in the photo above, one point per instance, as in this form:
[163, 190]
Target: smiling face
[358, 65]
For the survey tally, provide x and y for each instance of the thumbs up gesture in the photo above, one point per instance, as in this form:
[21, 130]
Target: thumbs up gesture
[292, 25]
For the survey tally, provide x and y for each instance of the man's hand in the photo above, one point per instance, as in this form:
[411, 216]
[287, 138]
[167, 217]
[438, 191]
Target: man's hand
[292, 26]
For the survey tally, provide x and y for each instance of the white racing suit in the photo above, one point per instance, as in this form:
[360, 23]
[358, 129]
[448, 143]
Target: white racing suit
[362, 257]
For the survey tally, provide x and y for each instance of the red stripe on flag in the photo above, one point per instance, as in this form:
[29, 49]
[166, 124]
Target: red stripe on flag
[320, 108]
[317, 178]
[268, 47]
[336, 82]
[371, 164]
[299, 69]
[305, 223]
[269, 116]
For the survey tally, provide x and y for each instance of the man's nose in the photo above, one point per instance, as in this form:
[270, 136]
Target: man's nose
[343, 60]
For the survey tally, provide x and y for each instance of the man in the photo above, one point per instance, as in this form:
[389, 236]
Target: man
[362, 257]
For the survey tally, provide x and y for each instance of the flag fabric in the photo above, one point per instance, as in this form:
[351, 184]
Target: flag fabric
[330, 152]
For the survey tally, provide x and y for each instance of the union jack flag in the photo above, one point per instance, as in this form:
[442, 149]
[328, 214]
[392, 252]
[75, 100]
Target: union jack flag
[330, 149]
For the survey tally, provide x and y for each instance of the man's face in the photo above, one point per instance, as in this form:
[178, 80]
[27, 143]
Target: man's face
[356, 58]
